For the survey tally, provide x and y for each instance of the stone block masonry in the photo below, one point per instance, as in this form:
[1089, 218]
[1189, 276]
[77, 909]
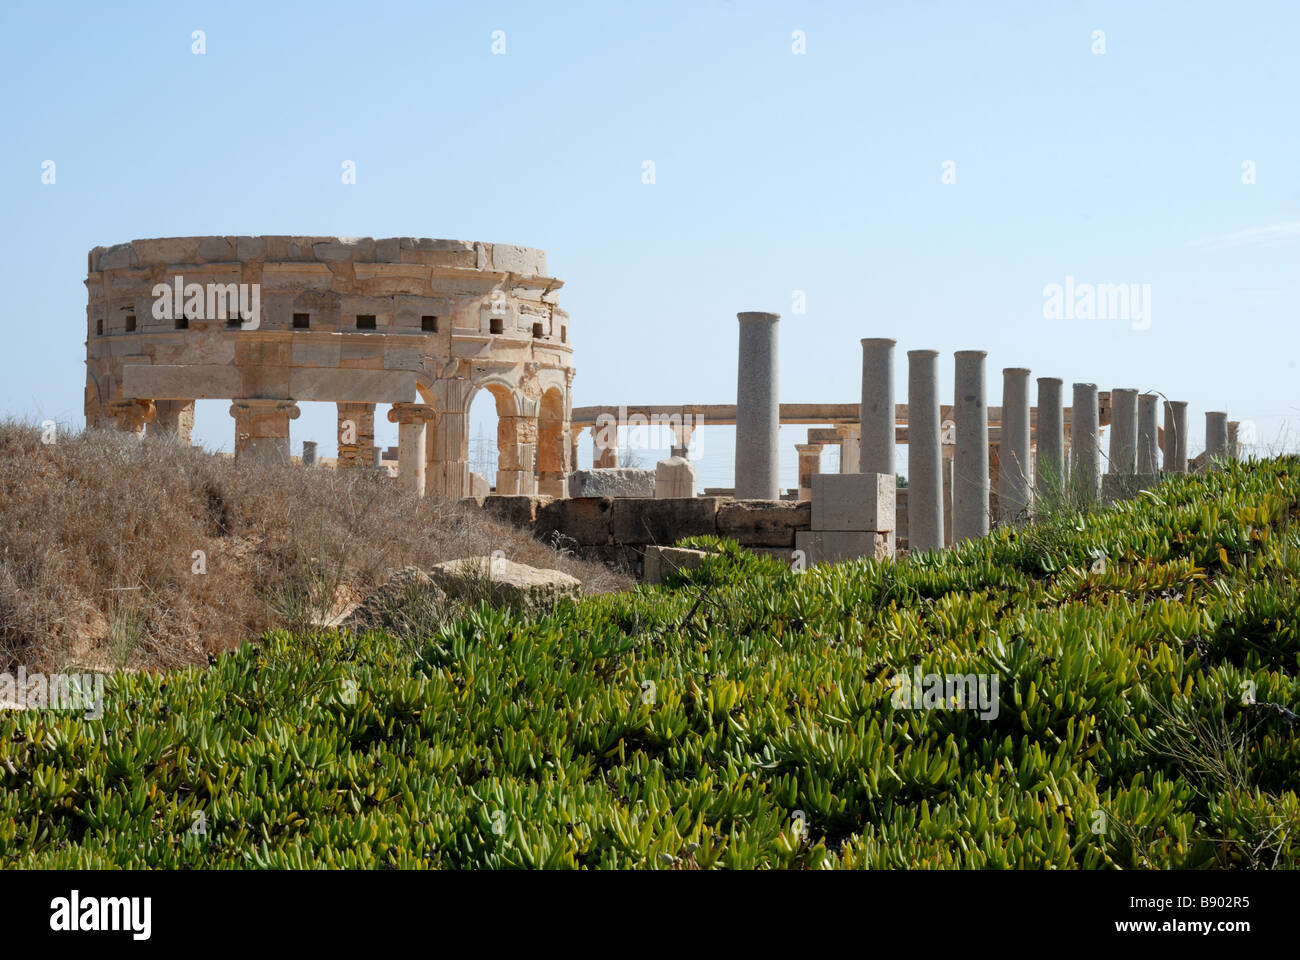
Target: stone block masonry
[422, 324]
[620, 530]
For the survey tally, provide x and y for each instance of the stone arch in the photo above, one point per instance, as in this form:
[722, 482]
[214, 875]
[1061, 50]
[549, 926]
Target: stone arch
[516, 436]
[552, 444]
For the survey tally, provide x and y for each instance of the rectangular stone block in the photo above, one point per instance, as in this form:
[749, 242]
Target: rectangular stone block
[763, 523]
[315, 353]
[352, 386]
[663, 522]
[836, 546]
[585, 521]
[853, 502]
[296, 277]
[661, 562]
[612, 482]
[168, 381]
[518, 511]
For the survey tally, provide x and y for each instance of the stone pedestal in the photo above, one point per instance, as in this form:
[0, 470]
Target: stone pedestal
[876, 412]
[674, 479]
[758, 408]
[412, 421]
[1123, 431]
[924, 456]
[1175, 445]
[1085, 478]
[262, 429]
[1015, 497]
[1148, 435]
[1049, 466]
[970, 464]
[1216, 436]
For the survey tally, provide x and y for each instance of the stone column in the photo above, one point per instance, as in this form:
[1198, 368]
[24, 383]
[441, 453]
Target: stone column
[175, 419]
[447, 443]
[412, 420]
[1148, 436]
[516, 463]
[1234, 444]
[810, 464]
[131, 416]
[924, 454]
[1216, 436]
[758, 409]
[262, 429]
[970, 466]
[876, 413]
[604, 443]
[575, 439]
[356, 434]
[1049, 468]
[1123, 431]
[309, 453]
[850, 447]
[682, 434]
[1085, 479]
[1175, 447]
[947, 454]
[1015, 490]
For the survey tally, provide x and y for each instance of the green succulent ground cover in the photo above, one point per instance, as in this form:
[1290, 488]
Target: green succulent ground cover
[740, 716]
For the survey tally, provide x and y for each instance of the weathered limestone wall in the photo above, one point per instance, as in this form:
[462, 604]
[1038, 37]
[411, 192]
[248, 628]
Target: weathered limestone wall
[352, 321]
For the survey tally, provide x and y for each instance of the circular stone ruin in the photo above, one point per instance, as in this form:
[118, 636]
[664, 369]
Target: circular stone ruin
[267, 322]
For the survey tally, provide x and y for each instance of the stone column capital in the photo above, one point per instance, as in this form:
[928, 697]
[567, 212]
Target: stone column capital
[412, 413]
[255, 406]
[136, 408]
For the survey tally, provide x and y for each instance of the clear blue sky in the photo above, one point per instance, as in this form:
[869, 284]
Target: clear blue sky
[775, 173]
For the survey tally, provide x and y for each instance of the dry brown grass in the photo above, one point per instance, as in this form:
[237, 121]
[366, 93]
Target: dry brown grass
[98, 533]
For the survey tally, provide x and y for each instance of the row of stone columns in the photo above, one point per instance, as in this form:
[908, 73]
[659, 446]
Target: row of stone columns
[428, 458]
[1132, 440]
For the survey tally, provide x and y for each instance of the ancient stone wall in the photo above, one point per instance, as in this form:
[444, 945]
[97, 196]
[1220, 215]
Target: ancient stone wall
[422, 324]
[618, 529]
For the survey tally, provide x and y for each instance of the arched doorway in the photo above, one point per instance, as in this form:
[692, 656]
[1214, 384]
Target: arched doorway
[552, 445]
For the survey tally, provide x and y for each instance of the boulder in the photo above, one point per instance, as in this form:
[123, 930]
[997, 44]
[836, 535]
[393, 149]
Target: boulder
[409, 598]
[504, 582]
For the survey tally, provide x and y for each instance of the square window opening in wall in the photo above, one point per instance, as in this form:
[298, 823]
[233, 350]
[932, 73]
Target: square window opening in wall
[130, 324]
[182, 323]
[99, 327]
[497, 325]
[365, 321]
[537, 331]
[302, 321]
[564, 334]
[429, 324]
